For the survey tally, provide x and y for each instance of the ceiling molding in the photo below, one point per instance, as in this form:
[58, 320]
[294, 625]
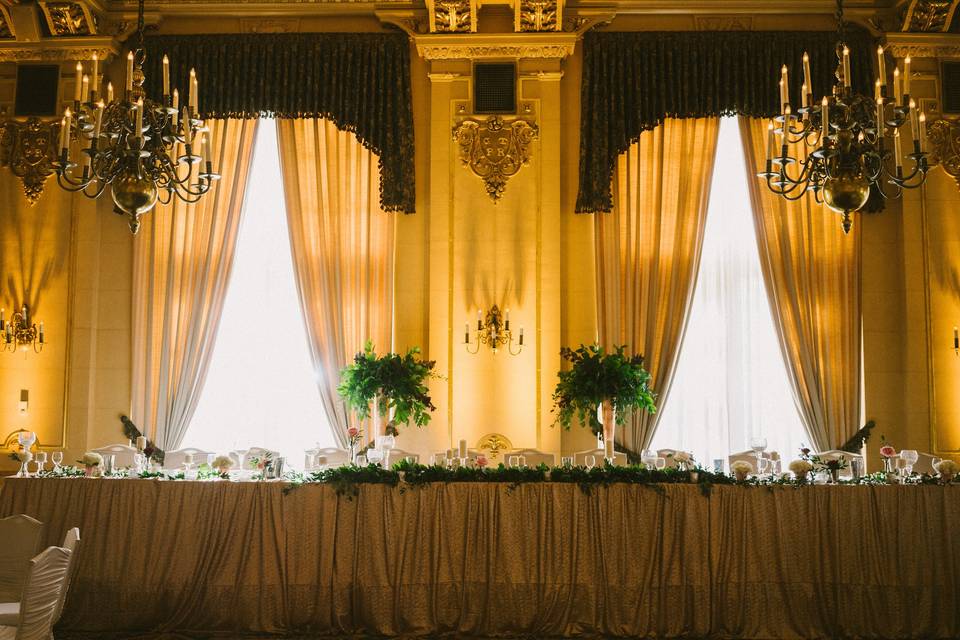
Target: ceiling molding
[930, 16]
[479, 46]
[924, 45]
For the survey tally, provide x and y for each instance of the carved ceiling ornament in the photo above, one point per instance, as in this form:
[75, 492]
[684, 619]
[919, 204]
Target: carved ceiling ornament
[495, 149]
[28, 149]
[68, 18]
[944, 139]
[58, 50]
[6, 24]
[452, 16]
[930, 15]
[538, 15]
[482, 46]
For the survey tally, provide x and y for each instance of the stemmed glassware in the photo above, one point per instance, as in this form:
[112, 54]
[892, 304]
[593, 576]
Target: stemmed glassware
[41, 461]
[57, 458]
[661, 463]
[759, 445]
[242, 454]
[26, 440]
[590, 461]
[374, 456]
[649, 459]
[909, 457]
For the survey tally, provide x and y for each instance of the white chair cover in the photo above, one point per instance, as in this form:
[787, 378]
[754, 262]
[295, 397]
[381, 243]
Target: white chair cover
[176, 458]
[534, 457]
[71, 542]
[123, 454]
[751, 457]
[334, 457]
[397, 455]
[924, 463]
[619, 459]
[41, 593]
[19, 542]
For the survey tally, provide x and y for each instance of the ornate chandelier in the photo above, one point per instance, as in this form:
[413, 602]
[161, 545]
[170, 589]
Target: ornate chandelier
[493, 331]
[843, 136]
[19, 334]
[144, 150]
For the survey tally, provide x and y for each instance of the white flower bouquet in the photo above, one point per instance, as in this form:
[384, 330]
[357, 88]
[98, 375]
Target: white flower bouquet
[948, 470]
[92, 461]
[801, 468]
[223, 464]
[741, 469]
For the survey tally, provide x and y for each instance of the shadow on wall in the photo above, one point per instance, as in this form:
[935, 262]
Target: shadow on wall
[37, 255]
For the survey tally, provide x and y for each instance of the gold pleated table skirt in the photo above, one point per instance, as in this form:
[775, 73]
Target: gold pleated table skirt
[541, 559]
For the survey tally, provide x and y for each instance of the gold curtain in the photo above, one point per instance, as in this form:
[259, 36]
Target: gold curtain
[812, 275]
[648, 251]
[181, 266]
[342, 244]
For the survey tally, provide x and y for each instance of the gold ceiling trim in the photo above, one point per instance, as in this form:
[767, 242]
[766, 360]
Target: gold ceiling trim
[923, 45]
[495, 149]
[452, 16]
[478, 46]
[538, 15]
[59, 49]
[944, 138]
[930, 16]
[68, 18]
[7, 30]
[28, 149]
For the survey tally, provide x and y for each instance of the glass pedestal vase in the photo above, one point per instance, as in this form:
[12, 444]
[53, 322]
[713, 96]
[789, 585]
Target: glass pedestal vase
[609, 430]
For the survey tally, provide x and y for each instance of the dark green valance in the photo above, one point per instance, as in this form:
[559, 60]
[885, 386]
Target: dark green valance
[633, 80]
[360, 81]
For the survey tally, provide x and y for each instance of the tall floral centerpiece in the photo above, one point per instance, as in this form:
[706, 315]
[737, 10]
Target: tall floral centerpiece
[374, 385]
[615, 382]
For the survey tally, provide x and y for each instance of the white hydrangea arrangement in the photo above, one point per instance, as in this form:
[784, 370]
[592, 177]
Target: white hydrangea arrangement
[801, 468]
[682, 457]
[948, 469]
[741, 468]
[91, 459]
[222, 463]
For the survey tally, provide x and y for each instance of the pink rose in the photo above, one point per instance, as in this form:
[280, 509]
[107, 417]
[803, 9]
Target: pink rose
[352, 432]
[481, 461]
[887, 451]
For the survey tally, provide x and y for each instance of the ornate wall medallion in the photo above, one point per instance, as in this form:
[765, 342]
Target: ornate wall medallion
[28, 149]
[538, 15]
[493, 444]
[495, 149]
[452, 16]
[944, 139]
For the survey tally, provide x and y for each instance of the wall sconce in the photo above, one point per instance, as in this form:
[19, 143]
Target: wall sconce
[24, 400]
[19, 333]
[493, 331]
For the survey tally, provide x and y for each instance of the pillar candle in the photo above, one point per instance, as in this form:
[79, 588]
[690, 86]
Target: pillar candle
[130, 71]
[166, 76]
[462, 450]
[881, 67]
[78, 83]
[141, 443]
[906, 76]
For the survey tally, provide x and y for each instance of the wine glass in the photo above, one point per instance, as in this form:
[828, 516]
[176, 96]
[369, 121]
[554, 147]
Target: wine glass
[57, 458]
[758, 444]
[649, 459]
[909, 457]
[41, 460]
[362, 460]
[26, 438]
[523, 461]
[566, 461]
[514, 461]
[242, 455]
[590, 461]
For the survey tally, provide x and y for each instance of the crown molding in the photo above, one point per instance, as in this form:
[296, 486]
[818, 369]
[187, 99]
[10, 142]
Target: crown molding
[479, 46]
[923, 45]
[59, 49]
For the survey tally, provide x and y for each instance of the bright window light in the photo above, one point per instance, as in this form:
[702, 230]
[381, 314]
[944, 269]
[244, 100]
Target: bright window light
[261, 387]
[731, 382]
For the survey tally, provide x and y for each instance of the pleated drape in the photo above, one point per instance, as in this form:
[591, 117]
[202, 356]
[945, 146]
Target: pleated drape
[648, 251]
[811, 271]
[342, 244]
[181, 266]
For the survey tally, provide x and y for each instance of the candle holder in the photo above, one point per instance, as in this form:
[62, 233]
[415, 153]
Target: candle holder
[494, 331]
[19, 334]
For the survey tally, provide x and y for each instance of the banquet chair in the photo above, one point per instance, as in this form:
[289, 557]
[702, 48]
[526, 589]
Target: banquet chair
[924, 463]
[10, 611]
[835, 454]
[397, 455]
[176, 458]
[45, 581]
[751, 457]
[667, 454]
[123, 454]
[334, 457]
[20, 536]
[619, 459]
[535, 457]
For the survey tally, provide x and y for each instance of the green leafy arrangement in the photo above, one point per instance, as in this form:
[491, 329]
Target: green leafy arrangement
[596, 376]
[396, 382]
[860, 438]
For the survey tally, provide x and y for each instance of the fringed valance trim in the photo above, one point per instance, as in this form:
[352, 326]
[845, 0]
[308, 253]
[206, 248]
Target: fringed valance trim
[359, 81]
[632, 81]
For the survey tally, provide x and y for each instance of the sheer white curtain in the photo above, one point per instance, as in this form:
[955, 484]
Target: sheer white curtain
[731, 383]
[261, 387]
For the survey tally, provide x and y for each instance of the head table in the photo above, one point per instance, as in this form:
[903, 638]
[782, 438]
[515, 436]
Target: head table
[542, 558]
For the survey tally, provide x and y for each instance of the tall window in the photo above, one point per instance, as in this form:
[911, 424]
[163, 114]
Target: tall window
[260, 388]
[731, 382]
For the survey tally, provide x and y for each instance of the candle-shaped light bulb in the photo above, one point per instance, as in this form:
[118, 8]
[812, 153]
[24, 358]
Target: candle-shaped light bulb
[23, 314]
[825, 117]
[479, 321]
[166, 76]
[846, 67]
[896, 149]
[923, 129]
[138, 129]
[876, 90]
[897, 89]
[804, 99]
[109, 92]
[67, 121]
[914, 120]
[806, 72]
[78, 83]
[95, 72]
[193, 91]
[130, 71]
[906, 76]
[63, 133]
[84, 88]
[770, 140]
[881, 66]
[880, 117]
[176, 107]
[521, 336]
[99, 120]
[786, 84]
